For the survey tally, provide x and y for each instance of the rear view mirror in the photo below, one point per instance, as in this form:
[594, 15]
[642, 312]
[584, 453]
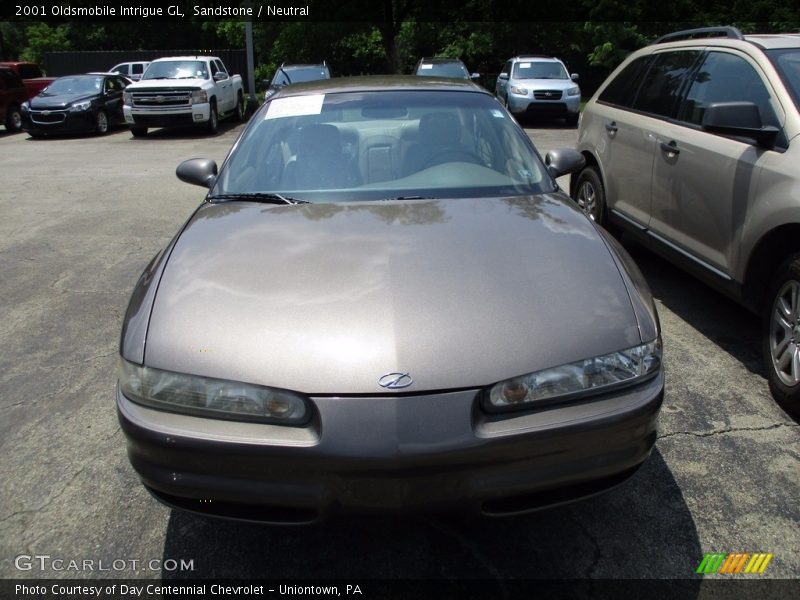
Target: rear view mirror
[564, 160]
[503, 76]
[475, 76]
[198, 171]
[739, 119]
[574, 77]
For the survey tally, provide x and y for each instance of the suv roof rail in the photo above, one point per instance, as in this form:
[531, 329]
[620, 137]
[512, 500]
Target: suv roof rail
[535, 56]
[701, 32]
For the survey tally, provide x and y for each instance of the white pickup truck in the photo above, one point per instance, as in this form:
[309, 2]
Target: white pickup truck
[183, 90]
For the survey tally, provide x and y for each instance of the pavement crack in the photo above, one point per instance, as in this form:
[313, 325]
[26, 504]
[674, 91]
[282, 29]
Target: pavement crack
[44, 506]
[598, 553]
[476, 552]
[727, 430]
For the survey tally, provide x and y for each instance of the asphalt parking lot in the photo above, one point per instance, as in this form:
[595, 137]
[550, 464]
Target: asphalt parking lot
[82, 216]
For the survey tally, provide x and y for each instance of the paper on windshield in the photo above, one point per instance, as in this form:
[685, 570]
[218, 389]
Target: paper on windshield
[296, 106]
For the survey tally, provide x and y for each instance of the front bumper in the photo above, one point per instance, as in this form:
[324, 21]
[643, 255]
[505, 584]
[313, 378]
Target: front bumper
[397, 453]
[196, 114]
[63, 122]
[566, 105]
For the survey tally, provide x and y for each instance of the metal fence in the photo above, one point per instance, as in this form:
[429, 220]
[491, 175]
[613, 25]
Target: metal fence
[57, 64]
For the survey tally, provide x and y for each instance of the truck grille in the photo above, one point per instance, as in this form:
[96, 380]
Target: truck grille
[162, 99]
[547, 94]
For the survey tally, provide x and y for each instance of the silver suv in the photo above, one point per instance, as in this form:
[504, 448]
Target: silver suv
[693, 146]
[539, 85]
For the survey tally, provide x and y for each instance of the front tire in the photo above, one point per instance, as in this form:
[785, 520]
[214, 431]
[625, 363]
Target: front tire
[591, 195]
[213, 120]
[13, 118]
[101, 123]
[781, 335]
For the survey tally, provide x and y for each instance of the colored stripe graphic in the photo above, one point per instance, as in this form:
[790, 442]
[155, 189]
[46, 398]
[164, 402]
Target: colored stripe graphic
[720, 562]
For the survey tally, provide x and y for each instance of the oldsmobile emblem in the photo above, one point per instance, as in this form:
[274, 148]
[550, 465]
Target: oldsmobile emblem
[395, 381]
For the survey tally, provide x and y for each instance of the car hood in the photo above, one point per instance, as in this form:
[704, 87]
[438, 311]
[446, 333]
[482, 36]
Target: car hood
[551, 84]
[58, 101]
[327, 298]
[160, 84]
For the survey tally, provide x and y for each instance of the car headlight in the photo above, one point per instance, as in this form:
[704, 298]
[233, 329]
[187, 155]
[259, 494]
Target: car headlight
[518, 90]
[591, 375]
[79, 106]
[574, 91]
[207, 397]
[199, 97]
[127, 98]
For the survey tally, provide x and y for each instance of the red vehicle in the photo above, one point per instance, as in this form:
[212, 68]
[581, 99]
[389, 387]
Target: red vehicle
[12, 95]
[31, 76]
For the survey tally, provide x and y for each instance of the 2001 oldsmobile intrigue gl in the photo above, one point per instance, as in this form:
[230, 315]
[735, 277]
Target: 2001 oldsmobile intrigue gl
[386, 302]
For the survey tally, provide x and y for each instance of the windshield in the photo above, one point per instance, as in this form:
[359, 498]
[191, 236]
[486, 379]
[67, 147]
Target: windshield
[539, 70]
[787, 63]
[354, 146]
[177, 69]
[74, 85]
[287, 75]
[451, 69]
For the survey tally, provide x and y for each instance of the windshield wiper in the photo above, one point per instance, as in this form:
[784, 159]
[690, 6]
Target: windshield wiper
[259, 197]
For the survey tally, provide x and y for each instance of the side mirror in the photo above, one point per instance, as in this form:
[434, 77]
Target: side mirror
[198, 171]
[739, 119]
[564, 160]
[475, 76]
[503, 76]
[220, 76]
[574, 77]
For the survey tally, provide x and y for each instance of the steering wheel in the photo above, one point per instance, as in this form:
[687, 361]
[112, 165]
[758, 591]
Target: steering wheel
[452, 155]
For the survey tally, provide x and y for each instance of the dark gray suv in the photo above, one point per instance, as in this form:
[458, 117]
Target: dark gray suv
[693, 146]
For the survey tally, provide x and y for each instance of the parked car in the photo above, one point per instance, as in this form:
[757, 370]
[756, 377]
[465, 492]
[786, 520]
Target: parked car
[131, 70]
[12, 95]
[184, 91]
[75, 103]
[692, 146]
[31, 75]
[539, 85]
[382, 305]
[444, 67]
[298, 73]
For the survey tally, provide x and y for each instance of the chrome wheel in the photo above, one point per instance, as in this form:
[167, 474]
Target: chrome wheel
[784, 333]
[102, 123]
[587, 199]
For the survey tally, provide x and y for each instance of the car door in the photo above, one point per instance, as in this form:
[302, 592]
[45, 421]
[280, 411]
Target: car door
[112, 98]
[702, 182]
[502, 82]
[225, 99]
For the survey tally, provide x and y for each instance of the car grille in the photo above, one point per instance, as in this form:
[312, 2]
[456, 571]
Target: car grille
[547, 94]
[48, 116]
[162, 99]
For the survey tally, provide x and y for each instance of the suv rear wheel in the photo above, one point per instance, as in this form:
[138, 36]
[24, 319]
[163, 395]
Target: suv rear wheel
[13, 118]
[781, 335]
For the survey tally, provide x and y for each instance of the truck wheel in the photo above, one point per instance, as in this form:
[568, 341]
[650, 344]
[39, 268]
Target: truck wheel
[590, 194]
[13, 118]
[781, 335]
[101, 123]
[241, 109]
[213, 121]
[139, 131]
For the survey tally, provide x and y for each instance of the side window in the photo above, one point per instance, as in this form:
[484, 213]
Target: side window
[621, 90]
[137, 69]
[29, 72]
[664, 83]
[221, 67]
[213, 68]
[507, 68]
[725, 77]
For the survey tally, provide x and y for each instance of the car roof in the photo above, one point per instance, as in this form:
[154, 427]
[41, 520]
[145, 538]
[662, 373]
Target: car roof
[536, 57]
[303, 66]
[772, 41]
[381, 83]
[440, 60]
[169, 58]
